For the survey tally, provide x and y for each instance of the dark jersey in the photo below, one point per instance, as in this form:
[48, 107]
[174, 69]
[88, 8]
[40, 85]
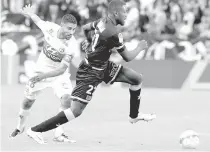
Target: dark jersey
[106, 37]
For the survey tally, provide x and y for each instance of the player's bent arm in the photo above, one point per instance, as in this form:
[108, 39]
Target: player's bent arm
[89, 27]
[129, 55]
[56, 72]
[60, 70]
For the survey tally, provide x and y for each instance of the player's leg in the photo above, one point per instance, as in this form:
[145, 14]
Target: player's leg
[61, 118]
[117, 73]
[79, 102]
[26, 105]
[62, 89]
[81, 95]
[135, 79]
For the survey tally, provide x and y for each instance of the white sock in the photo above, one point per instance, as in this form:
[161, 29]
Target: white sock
[59, 130]
[69, 114]
[22, 118]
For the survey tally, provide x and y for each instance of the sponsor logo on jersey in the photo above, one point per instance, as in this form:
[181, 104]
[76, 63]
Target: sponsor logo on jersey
[61, 50]
[52, 54]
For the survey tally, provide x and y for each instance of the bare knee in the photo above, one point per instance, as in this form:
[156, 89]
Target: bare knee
[138, 84]
[77, 112]
[65, 101]
[139, 79]
[77, 107]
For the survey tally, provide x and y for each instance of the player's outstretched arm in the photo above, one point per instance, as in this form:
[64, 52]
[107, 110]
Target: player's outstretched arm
[28, 10]
[130, 55]
[58, 71]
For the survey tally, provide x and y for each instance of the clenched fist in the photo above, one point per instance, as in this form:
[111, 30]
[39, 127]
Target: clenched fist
[142, 45]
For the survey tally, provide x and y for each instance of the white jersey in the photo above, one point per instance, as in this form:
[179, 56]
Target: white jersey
[53, 49]
[50, 58]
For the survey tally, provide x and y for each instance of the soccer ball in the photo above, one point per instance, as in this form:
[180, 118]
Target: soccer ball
[189, 139]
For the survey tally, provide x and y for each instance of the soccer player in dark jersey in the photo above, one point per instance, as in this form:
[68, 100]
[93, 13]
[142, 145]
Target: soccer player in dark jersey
[96, 68]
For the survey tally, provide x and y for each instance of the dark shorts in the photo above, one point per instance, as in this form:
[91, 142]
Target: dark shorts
[88, 78]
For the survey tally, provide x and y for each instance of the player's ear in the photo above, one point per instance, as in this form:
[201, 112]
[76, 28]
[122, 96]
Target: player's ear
[62, 24]
[115, 13]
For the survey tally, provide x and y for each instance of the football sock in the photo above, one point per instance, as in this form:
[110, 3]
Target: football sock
[59, 130]
[61, 118]
[22, 118]
[51, 123]
[134, 102]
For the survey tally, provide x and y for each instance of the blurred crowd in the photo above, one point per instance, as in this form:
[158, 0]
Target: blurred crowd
[174, 29]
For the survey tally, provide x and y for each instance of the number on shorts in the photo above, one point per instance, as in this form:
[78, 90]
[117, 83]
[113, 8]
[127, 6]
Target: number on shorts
[90, 90]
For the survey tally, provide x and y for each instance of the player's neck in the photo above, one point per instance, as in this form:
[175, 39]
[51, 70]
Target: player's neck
[111, 18]
[60, 35]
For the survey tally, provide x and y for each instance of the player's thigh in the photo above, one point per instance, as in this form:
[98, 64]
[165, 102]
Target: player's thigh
[86, 82]
[84, 89]
[129, 76]
[32, 90]
[62, 86]
[111, 72]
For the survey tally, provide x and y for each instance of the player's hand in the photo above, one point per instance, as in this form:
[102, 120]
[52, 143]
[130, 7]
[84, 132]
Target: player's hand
[143, 45]
[28, 10]
[85, 45]
[36, 78]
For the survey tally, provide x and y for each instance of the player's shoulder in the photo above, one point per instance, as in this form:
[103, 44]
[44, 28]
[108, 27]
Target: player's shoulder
[117, 37]
[116, 32]
[106, 27]
[72, 44]
[73, 38]
[72, 41]
[52, 26]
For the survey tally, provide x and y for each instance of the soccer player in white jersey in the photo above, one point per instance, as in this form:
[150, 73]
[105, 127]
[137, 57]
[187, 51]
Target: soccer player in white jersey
[51, 67]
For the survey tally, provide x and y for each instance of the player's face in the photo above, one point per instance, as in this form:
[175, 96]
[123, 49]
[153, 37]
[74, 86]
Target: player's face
[68, 30]
[122, 15]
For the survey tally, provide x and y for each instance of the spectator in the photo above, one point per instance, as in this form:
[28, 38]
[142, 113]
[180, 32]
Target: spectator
[186, 27]
[198, 13]
[158, 19]
[144, 19]
[132, 20]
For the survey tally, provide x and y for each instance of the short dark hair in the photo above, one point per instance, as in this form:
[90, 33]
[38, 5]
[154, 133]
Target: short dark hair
[115, 5]
[68, 18]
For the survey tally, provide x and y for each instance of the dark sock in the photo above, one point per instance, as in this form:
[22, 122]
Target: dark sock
[51, 123]
[134, 102]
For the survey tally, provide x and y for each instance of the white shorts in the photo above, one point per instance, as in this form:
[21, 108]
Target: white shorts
[60, 84]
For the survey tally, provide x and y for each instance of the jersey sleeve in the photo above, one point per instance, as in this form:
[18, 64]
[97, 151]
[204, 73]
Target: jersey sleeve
[118, 42]
[67, 59]
[42, 25]
[46, 26]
